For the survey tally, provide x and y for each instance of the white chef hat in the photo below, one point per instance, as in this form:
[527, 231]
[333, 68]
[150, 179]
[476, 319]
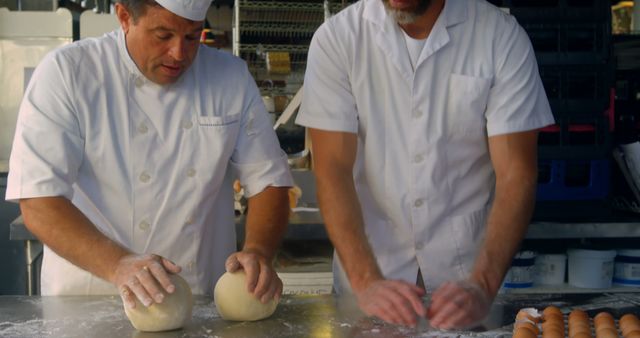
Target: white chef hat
[195, 10]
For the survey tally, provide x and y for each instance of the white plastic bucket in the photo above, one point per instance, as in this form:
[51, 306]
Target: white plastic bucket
[591, 268]
[550, 269]
[520, 275]
[627, 268]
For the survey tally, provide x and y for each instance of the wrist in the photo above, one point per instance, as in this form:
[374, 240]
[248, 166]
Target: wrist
[362, 281]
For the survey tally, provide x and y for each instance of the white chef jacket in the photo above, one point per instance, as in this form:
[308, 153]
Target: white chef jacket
[151, 166]
[423, 173]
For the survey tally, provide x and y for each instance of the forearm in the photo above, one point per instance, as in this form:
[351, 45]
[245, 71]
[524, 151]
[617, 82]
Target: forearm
[56, 222]
[267, 220]
[506, 226]
[343, 220]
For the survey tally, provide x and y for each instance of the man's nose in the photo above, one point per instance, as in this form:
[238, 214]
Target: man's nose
[177, 50]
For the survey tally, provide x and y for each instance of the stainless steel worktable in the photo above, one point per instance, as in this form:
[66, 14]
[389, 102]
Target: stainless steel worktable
[296, 316]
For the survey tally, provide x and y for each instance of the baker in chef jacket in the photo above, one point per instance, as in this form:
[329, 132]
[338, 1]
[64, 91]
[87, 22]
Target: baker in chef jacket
[424, 118]
[124, 155]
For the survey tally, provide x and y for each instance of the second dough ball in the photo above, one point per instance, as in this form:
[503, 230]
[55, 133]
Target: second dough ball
[234, 302]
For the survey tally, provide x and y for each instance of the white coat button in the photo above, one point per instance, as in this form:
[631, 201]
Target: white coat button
[417, 114]
[190, 265]
[139, 82]
[142, 128]
[417, 203]
[191, 172]
[188, 220]
[418, 158]
[144, 226]
[419, 246]
[144, 177]
[187, 124]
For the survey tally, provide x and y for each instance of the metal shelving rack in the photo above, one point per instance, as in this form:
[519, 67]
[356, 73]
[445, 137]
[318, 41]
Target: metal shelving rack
[263, 29]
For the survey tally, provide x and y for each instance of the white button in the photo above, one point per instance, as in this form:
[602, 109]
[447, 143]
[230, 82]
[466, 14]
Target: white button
[417, 113]
[144, 177]
[144, 225]
[190, 265]
[188, 221]
[139, 82]
[418, 158]
[187, 124]
[191, 172]
[418, 203]
[419, 246]
[142, 128]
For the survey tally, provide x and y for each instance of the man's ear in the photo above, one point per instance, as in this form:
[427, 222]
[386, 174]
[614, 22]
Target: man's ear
[124, 17]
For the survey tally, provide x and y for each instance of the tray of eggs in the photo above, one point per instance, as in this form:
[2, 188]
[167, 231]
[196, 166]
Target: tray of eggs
[552, 323]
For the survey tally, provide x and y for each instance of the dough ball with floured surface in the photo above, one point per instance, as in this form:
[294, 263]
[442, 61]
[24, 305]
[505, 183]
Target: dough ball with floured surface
[173, 313]
[234, 302]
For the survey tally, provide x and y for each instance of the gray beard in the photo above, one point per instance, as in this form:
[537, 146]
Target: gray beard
[407, 17]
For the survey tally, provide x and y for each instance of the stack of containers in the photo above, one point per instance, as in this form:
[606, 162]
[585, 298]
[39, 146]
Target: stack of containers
[572, 42]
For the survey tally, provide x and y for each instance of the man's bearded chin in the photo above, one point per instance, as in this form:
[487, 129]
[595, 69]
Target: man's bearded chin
[407, 16]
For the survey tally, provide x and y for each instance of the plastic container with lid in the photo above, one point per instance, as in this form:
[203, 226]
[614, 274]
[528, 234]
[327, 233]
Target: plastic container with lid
[590, 268]
[520, 275]
[627, 268]
[550, 269]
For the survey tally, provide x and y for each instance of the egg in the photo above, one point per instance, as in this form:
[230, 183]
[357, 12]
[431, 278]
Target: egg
[604, 320]
[524, 333]
[579, 328]
[552, 324]
[551, 309]
[628, 316]
[629, 326]
[554, 317]
[603, 314]
[553, 333]
[582, 335]
[606, 333]
[633, 334]
[577, 313]
[527, 325]
[530, 314]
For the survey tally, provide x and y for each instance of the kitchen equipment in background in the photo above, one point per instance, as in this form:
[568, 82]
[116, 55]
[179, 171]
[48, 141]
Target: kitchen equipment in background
[520, 275]
[299, 160]
[23, 44]
[550, 269]
[590, 268]
[626, 270]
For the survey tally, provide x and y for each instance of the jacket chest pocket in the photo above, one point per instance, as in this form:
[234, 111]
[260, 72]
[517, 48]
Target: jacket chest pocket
[216, 139]
[466, 104]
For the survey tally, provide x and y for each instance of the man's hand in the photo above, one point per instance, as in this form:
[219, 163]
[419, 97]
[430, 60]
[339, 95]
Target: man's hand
[393, 301]
[144, 277]
[456, 305]
[262, 280]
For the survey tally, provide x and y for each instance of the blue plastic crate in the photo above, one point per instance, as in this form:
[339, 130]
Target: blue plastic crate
[573, 180]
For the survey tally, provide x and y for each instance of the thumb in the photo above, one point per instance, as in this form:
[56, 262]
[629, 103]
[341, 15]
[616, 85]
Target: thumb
[232, 264]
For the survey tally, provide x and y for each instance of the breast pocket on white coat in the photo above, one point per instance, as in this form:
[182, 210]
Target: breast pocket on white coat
[466, 104]
[217, 136]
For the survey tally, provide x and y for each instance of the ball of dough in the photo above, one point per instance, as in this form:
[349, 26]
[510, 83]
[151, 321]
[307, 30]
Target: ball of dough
[173, 313]
[234, 302]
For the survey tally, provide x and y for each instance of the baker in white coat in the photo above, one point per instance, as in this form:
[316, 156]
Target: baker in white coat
[424, 118]
[124, 155]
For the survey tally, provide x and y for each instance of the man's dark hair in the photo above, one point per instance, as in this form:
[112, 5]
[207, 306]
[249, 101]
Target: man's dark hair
[137, 8]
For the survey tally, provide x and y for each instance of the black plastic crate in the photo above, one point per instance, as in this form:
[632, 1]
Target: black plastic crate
[581, 137]
[557, 10]
[570, 43]
[578, 89]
